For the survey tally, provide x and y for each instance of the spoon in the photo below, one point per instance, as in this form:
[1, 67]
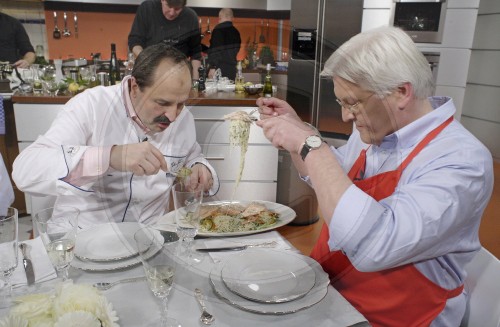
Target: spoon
[103, 286]
[206, 318]
[57, 33]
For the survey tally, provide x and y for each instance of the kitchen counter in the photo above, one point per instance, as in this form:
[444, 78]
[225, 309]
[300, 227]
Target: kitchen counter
[211, 98]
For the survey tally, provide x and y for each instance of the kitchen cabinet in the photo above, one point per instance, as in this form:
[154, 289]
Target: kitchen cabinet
[260, 174]
[259, 180]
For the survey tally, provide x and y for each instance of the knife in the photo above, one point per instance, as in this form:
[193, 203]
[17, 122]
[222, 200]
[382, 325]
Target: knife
[220, 249]
[28, 265]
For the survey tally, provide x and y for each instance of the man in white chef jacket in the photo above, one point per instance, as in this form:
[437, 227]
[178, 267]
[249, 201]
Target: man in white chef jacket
[113, 152]
[6, 191]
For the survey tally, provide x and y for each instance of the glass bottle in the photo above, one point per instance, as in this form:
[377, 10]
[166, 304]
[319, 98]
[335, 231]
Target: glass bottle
[130, 64]
[268, 84]
[114, 69]
[37, 81]
[201, 80]
[239, 82]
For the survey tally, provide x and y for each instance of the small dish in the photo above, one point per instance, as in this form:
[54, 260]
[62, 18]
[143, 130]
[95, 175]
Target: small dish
[107, 242]
[253, 89]
[268, 276]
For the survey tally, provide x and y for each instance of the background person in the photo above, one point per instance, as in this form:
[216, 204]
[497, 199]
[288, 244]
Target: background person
[113, 151]
[225, 44]
[168, 21]
[403, 199]
[15, 45]
[6, 190]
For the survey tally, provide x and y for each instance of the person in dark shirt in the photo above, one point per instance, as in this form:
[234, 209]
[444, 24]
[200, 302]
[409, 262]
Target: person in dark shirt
[168, 21]
[224, 45]
[15, 45]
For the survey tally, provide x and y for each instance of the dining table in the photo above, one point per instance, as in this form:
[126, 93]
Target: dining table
[136, 306]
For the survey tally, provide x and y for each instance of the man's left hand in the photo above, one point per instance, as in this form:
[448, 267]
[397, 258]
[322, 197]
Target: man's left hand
[200, 176]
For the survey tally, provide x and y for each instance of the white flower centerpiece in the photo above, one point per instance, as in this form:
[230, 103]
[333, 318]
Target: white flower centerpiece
[70, 305]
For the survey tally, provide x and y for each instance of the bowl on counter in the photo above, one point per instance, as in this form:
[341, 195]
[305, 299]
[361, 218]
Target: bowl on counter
[254, 89]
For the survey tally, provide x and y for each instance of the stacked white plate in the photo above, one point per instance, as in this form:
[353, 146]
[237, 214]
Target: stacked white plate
[110, 246]
[267, 281]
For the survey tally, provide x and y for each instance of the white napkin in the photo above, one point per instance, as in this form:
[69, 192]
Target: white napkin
[41, 264]
[281, 244]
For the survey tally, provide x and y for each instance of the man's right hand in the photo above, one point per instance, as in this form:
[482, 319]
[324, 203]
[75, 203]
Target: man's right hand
[272, 107]
[139, 158]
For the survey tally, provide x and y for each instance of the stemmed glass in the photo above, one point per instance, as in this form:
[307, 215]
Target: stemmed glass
[159, 268]
[8, 253]
[57, 228]
[187, 203]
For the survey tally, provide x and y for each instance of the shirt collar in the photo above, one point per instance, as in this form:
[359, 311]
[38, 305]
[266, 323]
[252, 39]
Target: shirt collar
[129, 107]
[412, 133]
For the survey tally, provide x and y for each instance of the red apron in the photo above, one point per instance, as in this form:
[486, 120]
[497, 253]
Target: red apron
[399, 296]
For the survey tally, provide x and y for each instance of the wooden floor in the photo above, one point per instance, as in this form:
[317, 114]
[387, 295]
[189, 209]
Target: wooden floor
[304, 237]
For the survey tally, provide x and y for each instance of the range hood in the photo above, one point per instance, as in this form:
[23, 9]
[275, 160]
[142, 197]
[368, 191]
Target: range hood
[234, 4]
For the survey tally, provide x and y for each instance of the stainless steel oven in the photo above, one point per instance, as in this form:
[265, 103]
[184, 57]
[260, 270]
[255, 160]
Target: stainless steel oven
[423, 20]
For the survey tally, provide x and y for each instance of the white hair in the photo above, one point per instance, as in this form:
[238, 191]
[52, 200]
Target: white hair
[380, 60]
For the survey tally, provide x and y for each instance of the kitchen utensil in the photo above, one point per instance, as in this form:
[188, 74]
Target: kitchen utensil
[269, 244]
[267, 25]
[200, 27]
[206, 318]
[8, 253]
[75, 18]
[208, 31]
[28, 265]
[104, 286]
[262, 38]
[57, 33]
[66, 31]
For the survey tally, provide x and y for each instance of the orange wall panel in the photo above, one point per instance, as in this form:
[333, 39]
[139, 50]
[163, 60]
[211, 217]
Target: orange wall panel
[96, 31]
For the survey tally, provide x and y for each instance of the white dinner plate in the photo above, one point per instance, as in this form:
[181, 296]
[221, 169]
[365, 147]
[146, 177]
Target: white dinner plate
[270, 276]
[117, 264]
[315, 295]
[107, 242]
[286, 215]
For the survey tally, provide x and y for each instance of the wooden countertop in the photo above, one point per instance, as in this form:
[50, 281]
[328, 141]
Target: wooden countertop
[211, 98]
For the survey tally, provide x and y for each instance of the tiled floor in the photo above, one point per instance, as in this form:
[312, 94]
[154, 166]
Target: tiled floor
[25, 227]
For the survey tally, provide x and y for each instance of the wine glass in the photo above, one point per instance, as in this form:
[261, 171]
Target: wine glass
[8, 253]
[187, 203]
[159, 268]
[57, 228]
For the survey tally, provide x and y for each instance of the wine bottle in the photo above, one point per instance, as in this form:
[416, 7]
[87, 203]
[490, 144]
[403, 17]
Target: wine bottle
[268, 85]
[239, 82]
[114, 69]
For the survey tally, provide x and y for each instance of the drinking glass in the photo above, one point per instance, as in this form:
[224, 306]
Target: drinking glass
[51, 86]
[57, 228]
[187, 203]
[159, 268]
[8, 253]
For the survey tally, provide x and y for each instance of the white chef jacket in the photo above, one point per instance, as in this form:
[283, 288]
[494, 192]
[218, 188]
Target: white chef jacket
[6, 191]
[98, 118]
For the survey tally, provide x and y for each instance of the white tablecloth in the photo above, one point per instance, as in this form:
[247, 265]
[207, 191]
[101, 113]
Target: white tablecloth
[136, 306]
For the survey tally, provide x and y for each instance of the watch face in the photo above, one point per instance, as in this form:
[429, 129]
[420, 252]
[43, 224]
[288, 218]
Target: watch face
[314, 141]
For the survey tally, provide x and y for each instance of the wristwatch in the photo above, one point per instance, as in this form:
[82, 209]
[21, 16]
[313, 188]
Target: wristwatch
[312, 142]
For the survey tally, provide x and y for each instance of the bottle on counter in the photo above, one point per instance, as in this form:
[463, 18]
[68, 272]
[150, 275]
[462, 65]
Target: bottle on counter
[268, 84]
[201, 80]
[239, 81]
[130, 64]
[114, 69]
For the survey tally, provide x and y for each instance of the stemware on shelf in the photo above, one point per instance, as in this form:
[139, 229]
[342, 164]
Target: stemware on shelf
[57, 228]
[8, 253]
[187, 203]
[159, 268]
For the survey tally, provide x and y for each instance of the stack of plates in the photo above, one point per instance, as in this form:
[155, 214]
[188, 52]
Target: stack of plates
[110, 246]
[270, 282]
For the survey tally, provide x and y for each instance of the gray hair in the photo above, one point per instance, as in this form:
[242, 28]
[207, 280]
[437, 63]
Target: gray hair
[380, 60]
[151, 57]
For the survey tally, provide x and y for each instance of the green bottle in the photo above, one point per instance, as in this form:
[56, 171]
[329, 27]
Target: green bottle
[268, 84]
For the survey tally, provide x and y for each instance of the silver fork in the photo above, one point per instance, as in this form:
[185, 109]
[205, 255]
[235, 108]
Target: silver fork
[104, 286]
[206, 318]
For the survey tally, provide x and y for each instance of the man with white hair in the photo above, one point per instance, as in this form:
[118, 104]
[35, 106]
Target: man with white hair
[402, 200]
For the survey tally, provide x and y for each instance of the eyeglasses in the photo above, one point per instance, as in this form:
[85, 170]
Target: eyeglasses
[352, 107]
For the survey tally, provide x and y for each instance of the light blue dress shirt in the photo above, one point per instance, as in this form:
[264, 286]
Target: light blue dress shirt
[432, 218]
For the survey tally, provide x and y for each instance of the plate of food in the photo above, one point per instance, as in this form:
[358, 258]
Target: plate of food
[235, 218]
